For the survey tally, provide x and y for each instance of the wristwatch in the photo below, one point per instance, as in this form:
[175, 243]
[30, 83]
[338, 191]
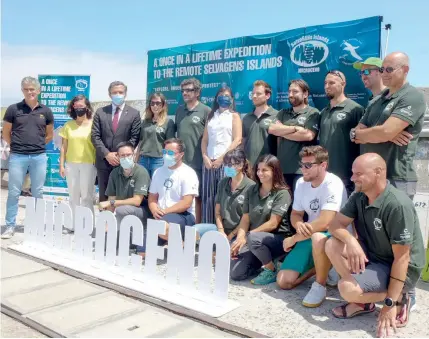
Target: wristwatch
[112, 203]
[352, 134]
[388, 302]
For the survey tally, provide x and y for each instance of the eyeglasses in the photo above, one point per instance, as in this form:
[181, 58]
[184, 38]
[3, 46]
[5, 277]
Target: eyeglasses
[232, 164]
[368, 71]
[168, 152]
[308, 165]
[29, 90]
[187, 90]
[338, 74]
[389, 69]
[156, 103]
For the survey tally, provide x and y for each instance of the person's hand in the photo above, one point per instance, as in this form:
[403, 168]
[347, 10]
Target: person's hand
[231, 236]
[355, 256]
[207, 162]
[288, 243]
[402, 139]
[237, 245]
[386, 321]
[217, 163]
[304, 228]
[112, 158]
[157, 212]
[62, 172]
[103, 205]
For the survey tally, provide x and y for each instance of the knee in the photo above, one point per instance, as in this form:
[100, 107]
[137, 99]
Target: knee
[121, 211]
[331, 247]
[253, 240]
[318, 241]
[285, 280]
[349, 290]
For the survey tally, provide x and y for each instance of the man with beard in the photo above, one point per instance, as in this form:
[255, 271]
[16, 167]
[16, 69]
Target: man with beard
[256, 139]
[336, 121]
[296, 127]
[384, 263]
[321, 195]
[369, 71]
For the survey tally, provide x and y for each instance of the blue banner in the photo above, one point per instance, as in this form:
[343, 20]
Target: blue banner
[55, 92]
[307, 53]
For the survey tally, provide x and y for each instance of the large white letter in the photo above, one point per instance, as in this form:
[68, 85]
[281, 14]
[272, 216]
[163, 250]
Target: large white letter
[181, 260]
[153, 251]
[63, 216]
[130, 221]
[106, 218]
[83, 227]
[49, 224]
[222, 264]
[34, 215]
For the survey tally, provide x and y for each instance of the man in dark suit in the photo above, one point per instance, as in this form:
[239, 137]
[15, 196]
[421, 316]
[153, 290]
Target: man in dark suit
[112, 125]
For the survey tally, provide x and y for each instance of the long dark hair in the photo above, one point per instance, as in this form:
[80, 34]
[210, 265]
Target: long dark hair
[274, 163]
[215, 106]
[237, 156]
[70, 109]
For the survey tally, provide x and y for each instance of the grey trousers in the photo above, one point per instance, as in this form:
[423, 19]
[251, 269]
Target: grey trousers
[408, 187]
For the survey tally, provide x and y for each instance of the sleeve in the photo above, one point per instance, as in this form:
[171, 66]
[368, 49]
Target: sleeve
[350, 208]
[280, 115]
[246, 207]
[111, 186]
[190, 184]
[281, 203]
[9, 115]
[244, 127]
[96, 135]
[364, 119]
[142, 184]
[64, 131]
[410, 108]
[177, 121]
[400, 225]
[358, 113]
[170, 130]
[297, 203]
[135, 130]
[49, 117]
[333, 196]
[313, 121]
[153, 188]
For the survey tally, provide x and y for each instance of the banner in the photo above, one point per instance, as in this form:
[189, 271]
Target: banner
[55, 92]
[307, 53]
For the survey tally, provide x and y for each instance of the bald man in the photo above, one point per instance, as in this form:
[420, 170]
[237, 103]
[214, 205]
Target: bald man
[384, 265]
[392, 123]
[336, 121]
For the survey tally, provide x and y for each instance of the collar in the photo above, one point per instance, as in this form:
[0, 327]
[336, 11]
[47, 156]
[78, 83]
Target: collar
[114, 107]
[194, 109]
[269, 111]
[340, 105]
[304, 110]
[224, 112]
[37, 106]
[242, 185]
[379, 200]
[131, 173]
[394, 95]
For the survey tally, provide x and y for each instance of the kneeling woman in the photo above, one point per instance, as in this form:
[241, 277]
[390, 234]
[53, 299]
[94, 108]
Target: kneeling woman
[264, 224]
[230, 195]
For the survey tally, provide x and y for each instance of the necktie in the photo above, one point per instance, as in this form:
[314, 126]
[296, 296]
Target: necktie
[115, 120]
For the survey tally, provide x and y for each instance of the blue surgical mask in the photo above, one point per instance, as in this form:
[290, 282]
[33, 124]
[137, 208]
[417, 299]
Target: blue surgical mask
[230, 171]
[127, 162]
[169, 160]
[118, 99]
[224, 101]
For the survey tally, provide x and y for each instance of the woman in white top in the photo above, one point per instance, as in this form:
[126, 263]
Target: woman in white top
[222, 133]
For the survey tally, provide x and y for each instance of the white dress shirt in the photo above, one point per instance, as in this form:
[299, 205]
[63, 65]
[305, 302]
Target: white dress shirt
[121, 108]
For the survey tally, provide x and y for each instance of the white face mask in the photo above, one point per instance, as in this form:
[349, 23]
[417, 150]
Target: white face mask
[127, 163]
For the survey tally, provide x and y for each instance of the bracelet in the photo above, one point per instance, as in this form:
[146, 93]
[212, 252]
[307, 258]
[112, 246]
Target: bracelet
[402, 281]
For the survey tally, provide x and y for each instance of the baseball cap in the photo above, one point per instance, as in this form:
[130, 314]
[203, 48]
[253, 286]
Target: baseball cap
[370, 61]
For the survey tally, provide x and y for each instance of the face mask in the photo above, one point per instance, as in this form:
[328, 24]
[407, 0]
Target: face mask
[118, 99]
[230, 172]
[169, 160]
[224, 101]
[80, 112]
[127, 162]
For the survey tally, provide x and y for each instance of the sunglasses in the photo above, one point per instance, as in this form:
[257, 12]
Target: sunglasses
[338, 74]
[368, 71]
[168, 152]
[389, 69]
[187, 90]
[156, 103]
[308, 165]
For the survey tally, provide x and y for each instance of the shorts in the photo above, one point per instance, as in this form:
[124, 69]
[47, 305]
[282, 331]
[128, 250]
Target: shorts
[300, 258]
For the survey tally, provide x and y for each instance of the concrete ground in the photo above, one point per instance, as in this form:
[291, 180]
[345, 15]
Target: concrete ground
[276, 313]
[10, 328]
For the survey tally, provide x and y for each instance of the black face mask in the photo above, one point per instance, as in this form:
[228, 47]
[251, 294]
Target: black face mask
[80, 112]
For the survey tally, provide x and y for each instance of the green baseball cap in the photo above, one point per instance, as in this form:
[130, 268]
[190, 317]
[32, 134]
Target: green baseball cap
[370, 61]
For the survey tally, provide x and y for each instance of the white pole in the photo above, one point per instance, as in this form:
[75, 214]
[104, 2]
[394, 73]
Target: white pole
[387, 28]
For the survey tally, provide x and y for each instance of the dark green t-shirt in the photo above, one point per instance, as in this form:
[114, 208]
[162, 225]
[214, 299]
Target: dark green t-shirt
[408, 104]
[255, 132]
[153, 137]
[190, 128]
[231, 203]
[288, 150]
[391, 219]
[260, 208]
[334, 135]
[125, 187]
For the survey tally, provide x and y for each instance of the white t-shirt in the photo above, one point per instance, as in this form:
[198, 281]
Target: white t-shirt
[172, 185]
[330, 195]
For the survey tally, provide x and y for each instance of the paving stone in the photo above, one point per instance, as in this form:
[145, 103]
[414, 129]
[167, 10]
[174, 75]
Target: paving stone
[10, 268]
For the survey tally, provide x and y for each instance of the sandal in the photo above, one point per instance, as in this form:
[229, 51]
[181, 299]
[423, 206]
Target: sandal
[367, 308]
[404, 315]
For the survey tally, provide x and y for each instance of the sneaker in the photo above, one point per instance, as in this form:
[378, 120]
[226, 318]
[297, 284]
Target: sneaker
[333, 278]
[8, 232]
[413, 303]
[315, 296]
[265, 277]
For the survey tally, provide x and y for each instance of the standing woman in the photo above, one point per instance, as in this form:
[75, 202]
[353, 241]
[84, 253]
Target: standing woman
[223, 132]
[155, 129]
[78, 154]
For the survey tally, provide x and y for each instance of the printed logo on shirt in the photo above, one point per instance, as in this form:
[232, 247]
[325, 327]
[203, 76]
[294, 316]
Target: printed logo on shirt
[196, 120]
[284, 208]
[159, 129]
[268, 121]
[301, 120]
[407, 111]
[270, 203]
[316, 127]
[341, 116]
[240, 199]
[41, 116]
[377, 224]
[405, 235]
[314, 205]
[144, 188]
[331, 199]
[132, 182]
[168, 183]
[389, 106]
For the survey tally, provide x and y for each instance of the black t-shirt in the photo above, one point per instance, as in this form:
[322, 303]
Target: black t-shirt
[28, 127]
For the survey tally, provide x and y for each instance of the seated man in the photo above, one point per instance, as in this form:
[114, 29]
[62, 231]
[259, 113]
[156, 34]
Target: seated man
[321, 195]
[127, 187]
[385, 262]
[173, 189]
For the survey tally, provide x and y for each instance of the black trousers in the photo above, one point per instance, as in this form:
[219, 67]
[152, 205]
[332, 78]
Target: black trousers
[103, 180]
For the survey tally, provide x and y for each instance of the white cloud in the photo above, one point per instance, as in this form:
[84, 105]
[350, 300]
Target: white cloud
[20, 61]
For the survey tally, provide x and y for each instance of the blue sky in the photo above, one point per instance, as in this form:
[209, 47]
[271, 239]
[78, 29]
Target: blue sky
[110, 39]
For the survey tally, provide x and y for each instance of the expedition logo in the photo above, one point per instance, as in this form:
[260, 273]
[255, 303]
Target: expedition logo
[350, 51]
[308, 52]
[81, 85]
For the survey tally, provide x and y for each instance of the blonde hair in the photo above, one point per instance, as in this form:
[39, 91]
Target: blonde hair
[162, 116]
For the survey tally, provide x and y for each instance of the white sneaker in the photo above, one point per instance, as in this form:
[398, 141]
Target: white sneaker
[8, 233]
[315, 296]
[333, 278]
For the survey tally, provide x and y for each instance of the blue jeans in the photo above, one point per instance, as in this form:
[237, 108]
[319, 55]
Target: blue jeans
[203, 228]
[19, 164]
[151, 163]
